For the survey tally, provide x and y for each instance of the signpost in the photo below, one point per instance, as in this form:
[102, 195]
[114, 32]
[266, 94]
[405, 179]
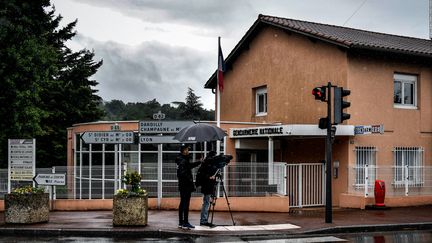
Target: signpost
[109, 137]
[50, 179]
[157, 139]
[162, 127]
[21, 160]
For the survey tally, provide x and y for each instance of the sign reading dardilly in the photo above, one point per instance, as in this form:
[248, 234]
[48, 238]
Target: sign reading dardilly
[162, 127]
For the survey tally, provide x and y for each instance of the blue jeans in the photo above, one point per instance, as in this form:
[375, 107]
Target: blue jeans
[205, 208]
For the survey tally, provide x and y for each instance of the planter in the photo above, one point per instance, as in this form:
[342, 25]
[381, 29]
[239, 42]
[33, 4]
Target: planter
[129, 211]
[26, 208]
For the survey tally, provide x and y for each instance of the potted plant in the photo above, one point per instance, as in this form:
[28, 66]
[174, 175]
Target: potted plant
[130, 205]
[27, 205]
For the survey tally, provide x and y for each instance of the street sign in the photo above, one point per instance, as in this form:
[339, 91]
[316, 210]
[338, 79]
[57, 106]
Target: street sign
[369, 129]
[157, 139]
[22, 159]
[162, 127]
[159, 116]
[50, 179]
[109, 137]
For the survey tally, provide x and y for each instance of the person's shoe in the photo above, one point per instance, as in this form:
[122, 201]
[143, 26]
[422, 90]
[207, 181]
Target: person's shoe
[211, 225]
[188, 226]
[204, 224]
[180, 226]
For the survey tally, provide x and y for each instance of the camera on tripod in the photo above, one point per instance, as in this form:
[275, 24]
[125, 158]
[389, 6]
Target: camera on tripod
[220, 161]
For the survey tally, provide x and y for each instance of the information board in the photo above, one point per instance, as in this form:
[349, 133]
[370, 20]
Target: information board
[109, 137]
[21, 159]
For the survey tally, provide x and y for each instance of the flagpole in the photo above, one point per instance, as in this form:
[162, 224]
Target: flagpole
[218, 101]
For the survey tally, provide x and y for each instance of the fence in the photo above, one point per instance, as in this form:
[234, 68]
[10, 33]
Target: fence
[306, 185]
[400, 180]
[100, 182]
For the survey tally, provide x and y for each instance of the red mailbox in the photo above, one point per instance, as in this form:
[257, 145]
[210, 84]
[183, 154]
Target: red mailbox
[379, 193]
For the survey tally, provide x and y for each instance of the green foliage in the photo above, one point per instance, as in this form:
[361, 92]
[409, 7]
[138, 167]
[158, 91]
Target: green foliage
[191, 109]
[46, 87]
[132, 179]
[28, 190]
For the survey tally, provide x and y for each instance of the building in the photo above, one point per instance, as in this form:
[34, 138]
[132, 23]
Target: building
[269, 78]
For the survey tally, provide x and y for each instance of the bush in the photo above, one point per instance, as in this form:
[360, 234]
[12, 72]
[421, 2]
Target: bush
[133, 179]
[28, 190]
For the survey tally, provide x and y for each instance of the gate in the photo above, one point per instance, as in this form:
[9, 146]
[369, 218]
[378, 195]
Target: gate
[306, 184]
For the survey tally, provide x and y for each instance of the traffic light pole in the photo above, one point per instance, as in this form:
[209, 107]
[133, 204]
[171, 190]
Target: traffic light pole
[328, 207]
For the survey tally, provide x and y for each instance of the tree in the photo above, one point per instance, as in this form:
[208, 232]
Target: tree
[46, 87]
[192, 107]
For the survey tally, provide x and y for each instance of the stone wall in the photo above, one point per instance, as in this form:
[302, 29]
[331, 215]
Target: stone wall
[130, 211]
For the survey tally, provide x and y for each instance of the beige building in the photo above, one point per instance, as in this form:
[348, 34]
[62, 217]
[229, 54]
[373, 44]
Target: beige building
[269, 78]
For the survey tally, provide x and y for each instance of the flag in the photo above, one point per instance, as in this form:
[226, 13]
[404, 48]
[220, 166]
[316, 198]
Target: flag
[221, 68]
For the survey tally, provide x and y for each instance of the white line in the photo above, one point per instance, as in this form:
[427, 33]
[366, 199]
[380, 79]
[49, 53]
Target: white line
[249, 228]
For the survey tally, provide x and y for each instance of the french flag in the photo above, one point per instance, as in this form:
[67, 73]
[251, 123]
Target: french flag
[221, 68]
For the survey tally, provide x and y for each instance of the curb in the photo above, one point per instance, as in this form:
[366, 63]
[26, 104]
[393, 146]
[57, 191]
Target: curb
[122, 233]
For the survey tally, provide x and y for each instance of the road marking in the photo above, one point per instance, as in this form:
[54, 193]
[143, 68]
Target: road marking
[249, 228]
[302, 240]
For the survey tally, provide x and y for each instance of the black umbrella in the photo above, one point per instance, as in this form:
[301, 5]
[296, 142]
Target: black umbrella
[200, 132]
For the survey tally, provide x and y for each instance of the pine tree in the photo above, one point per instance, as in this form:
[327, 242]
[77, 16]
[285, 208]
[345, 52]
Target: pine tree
[46, 87]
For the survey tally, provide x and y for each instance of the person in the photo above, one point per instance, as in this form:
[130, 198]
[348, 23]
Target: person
[206, 178]
[185, 185]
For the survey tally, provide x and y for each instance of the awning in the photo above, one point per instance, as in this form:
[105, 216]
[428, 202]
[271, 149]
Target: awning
[288, 130]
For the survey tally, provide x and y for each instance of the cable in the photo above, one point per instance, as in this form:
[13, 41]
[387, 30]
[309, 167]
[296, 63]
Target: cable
[361, 5]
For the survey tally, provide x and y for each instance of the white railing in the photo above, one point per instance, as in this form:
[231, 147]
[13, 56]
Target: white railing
[400, 180]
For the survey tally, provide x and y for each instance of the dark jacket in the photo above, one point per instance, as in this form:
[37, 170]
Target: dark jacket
[204, 173]
[184, 173]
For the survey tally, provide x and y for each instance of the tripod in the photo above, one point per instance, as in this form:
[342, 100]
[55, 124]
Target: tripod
[214, 198]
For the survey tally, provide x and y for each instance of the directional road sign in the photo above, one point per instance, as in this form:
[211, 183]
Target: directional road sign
[111, 137]
[50, 179]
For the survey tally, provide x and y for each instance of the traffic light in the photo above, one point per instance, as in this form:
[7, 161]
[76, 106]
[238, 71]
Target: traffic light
[319, 93]
[340, 105]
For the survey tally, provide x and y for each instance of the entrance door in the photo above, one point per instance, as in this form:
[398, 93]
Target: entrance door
[306, 184]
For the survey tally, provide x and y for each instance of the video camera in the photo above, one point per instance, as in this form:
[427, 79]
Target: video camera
[220, 161]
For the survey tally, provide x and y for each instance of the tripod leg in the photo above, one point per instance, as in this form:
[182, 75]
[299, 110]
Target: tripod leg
[228, 203]
[212, 207]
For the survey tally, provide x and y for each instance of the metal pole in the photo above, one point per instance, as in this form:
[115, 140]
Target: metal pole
[90, 172]
[328, 213]
[270, 160]
[159, 176]
[366, 181]
[103, 171]
[9, 167]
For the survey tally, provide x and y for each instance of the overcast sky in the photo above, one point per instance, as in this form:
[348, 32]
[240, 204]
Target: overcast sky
[156, 49]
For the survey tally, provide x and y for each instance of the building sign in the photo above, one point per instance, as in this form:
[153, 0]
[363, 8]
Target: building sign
[109, 137]
[162, 127]
[157, 139]
[370, 129]
[50, 179]
[258, 131]
[288, 130]
[22, 159]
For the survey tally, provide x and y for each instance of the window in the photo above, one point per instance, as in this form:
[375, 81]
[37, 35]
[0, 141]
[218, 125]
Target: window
[261, 101]
[408, 166]
[365, 160]
[405, 91]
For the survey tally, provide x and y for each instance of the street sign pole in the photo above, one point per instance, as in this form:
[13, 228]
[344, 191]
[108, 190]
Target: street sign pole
[328, 207]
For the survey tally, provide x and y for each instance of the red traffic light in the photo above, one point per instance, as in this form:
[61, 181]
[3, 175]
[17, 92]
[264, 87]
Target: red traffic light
[319, 93]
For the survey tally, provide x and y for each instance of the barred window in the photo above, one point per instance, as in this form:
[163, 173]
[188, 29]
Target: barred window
[365, 160]
[408, 164]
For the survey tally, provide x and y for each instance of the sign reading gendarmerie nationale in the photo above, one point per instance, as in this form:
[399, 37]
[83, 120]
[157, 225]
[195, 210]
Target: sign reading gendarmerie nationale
[108, 137]
[22, 159]
[288, 130]
[162, 127]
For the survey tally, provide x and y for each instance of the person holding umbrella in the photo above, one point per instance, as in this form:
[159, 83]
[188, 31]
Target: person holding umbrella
[185, 185]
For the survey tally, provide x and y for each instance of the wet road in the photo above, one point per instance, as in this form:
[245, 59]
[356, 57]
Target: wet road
[378, 237]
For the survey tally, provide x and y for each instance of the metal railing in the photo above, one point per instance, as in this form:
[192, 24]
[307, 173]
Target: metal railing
[400, 180]
[101, 182]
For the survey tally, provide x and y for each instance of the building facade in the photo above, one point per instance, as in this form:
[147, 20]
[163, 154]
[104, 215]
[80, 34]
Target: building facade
[269, 78]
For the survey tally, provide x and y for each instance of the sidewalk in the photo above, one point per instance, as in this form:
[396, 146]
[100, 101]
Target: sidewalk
[164, 223]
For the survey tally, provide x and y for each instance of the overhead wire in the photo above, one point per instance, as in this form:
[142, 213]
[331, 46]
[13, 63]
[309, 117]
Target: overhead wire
[358, 8]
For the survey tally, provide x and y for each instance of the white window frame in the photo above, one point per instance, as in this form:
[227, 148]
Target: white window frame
[408, 159]
[366, 156]
[405, 79]
[259, 92]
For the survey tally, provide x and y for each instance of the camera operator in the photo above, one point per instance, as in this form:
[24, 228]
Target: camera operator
[185, 184]
[207, 180]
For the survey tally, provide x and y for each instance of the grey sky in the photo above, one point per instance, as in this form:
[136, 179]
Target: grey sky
[156, 49]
